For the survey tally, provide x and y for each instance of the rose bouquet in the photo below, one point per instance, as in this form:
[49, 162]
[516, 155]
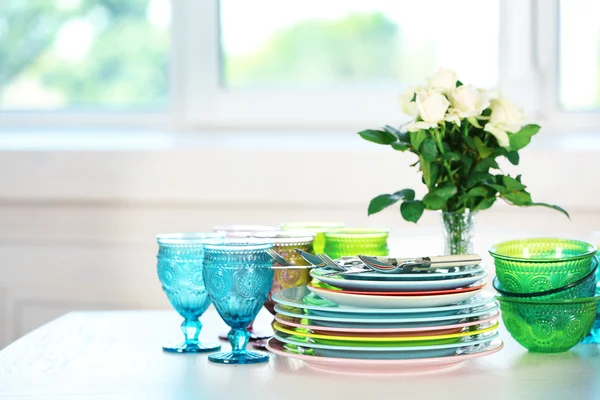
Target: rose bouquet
[457, 133]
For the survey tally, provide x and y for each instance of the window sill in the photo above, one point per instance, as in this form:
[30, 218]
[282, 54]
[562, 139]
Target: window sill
[140, 140]
[255, 167]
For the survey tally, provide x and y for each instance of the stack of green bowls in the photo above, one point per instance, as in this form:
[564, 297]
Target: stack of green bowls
[546, 291]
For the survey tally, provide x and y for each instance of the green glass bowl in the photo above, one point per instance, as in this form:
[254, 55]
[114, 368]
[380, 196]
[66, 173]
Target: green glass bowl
[354, 241]
[538, 265]
[585, 287]
[318, 228]
[548, 326]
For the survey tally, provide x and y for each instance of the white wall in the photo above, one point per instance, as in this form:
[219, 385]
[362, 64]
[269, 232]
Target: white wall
[77, 227]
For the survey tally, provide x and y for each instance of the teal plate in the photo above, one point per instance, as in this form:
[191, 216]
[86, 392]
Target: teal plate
[467, 344]
[300, 297]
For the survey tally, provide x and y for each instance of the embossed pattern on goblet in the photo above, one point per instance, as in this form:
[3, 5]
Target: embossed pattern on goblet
[179, 267]
[238, 277]
[285, 243]
[354, 241]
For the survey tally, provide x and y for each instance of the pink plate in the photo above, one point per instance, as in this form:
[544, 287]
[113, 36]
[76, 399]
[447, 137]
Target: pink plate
[381, 367]
[415, 331]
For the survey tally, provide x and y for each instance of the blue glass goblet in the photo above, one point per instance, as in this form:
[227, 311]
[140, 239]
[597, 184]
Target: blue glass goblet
[180, 258]
[238, 277]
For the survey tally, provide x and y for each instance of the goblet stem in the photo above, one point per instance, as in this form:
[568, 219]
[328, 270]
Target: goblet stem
[238, 337]
[191, 330]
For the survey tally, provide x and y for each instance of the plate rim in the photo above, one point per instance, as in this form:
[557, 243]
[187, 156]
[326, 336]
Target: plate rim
[492, 335]
[495, 307]
[383, 363]
[488, 298]
[277, 327]
[379, 284]
[476, 271]
[422, 293]
[387, 330]
[408, 299]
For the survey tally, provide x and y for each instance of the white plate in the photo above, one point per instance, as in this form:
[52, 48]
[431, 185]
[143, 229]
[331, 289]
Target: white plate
[371, 301]
[394, 285]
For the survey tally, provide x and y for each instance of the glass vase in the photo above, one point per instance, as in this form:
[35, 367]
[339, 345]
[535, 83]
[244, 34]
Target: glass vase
[458, 232]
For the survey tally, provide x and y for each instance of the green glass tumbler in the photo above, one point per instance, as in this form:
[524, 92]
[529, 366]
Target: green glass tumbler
[354, 241]
[316, 228]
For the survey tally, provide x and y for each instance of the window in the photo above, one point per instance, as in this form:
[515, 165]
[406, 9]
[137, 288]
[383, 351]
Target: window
[579, 61]
[316, 44]
[288, 65]
[84, 55]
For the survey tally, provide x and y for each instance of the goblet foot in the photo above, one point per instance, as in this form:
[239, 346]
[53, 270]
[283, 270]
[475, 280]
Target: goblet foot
[192, 348]
[260, 344]
[245, 357]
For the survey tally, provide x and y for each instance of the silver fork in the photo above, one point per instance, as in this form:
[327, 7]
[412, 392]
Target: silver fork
[330, 263]
[344, 269]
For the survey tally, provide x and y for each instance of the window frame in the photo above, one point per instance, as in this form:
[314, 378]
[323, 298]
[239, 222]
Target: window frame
[528, 74]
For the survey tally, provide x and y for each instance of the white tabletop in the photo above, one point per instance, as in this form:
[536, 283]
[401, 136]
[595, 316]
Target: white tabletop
[117, 355]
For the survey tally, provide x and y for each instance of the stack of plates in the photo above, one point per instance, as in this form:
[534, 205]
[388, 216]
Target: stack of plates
[405, 322]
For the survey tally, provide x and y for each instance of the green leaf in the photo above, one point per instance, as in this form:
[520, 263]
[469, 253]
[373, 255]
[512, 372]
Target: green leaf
[476, 177]
[478, 191]
[451, 156]
[430, 172]
[482, 149]
[553, 206]
[512, 184]
[485, 165]
[513, 157]
[379, 137]
[412, 210]
[459, 83]
[445, 191]
[485, 204]
[523, 137]
[429, 150]
[433, 202]
[518, 198]
[385, 200]
[496, 187]
[399, 146]
[414, 98]
[416, 138]
[518, 178]
[470, 142]
[402, 136]
[467, 162]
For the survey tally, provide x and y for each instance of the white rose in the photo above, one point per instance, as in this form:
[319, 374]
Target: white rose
[432, 106]
[467, 101]
[444, 80]
[506, 118]
[408, 106]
